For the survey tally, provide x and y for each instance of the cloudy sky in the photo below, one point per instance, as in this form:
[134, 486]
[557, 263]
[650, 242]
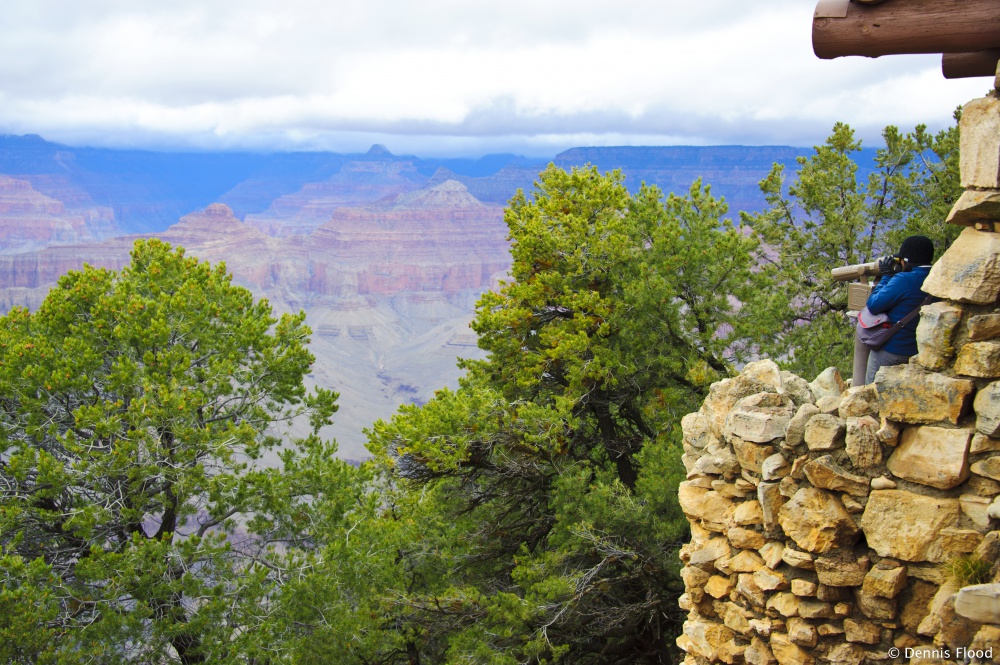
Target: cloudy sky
[445, 77]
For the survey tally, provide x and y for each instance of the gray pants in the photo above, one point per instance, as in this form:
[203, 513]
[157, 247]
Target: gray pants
[882, 358]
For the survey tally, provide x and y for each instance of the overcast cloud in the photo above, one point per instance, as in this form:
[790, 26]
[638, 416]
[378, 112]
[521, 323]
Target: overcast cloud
[445, 77]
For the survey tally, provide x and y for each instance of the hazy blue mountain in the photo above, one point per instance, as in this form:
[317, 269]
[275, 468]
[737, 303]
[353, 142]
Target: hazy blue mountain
[148, 191]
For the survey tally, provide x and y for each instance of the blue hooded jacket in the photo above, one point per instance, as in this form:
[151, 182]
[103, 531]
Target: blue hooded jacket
[898, 295]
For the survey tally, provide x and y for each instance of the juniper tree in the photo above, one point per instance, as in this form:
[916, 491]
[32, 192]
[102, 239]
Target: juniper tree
[136, 520]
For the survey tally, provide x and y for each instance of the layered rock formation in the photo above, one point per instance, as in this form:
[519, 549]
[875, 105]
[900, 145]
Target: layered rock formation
[31, 220]
[358, 183]
[829, 524]
[389, 289]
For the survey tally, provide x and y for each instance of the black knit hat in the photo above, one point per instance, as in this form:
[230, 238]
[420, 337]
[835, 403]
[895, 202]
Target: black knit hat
[918, 250]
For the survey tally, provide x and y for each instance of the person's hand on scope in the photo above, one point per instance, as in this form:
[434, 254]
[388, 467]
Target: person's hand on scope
[888, 265]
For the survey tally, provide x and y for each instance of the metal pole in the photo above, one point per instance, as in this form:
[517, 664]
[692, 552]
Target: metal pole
[860, 362]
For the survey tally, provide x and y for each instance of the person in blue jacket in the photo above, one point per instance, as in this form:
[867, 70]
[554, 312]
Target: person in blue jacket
[897, 294]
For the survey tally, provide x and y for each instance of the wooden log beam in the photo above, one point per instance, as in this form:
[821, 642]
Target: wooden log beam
[965, 65]
[906, 26]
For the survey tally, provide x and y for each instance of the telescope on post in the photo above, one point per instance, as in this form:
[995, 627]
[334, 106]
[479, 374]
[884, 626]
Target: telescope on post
[965, 32]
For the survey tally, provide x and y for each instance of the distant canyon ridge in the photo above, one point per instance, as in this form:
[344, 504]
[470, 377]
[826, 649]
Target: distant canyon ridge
[386, 254]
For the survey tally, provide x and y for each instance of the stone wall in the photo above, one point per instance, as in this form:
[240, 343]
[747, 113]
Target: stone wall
[824, 518]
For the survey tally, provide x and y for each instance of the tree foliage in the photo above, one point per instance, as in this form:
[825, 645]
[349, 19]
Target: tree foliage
[556, 462]
[135, 519]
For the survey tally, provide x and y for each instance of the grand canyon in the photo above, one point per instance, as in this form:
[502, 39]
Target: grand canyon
[386, 254]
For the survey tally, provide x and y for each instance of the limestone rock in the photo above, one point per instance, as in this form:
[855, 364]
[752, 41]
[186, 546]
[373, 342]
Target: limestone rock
[788, 487]
[908, 526]
[842, 571]
[859, 401]
[706, 637]
[852, 505]
[802, 632]
[829, 405]
[761, 626]
[797, 388]
[935, 334]
[799, 467]
[824, 432]
[746, 539]
[825, 473]
[983, 326]
[717, 461]
[795, 434]
[863, 446]
[968, 271]
[915, 604]
[909, 394]
[746, 562]
[713, 510]
[987, 637]
[955, 630]
[708, 553]
[748, 513]
[728, 490]
[833, 594]
[883, 483]
[718, 586]
[828, 384]
[976, 508]
[982, 486]
[723, 395]
[875, 607]
[750, 456]
[987, 407]
[759, 418]
[989, 548]
[980, 602]
[983, 443]
[817, 521]
[975, 205]
[771, 501]
[697, 431]
[988, 468]
[769, 580]
[845, 653]
[993, 512]
[775, 467]
[979, 147]
[932, 456]
[772, 553]
[815, 609]
[802, 587]
[798, 559]
[862, 632]
[788, 653]
[765, 371]
[784, 603]
[746, 587]
[931, 573]
[694, 578]
[932, 621]
[979, 359]
[885, 583]
[758, 653]
[888, 433]
[734, 617]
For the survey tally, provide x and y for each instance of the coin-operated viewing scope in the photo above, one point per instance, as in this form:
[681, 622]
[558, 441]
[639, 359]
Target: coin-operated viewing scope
[885, 266]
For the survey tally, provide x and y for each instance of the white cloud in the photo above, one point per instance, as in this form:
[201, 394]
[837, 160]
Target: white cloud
[445, 76]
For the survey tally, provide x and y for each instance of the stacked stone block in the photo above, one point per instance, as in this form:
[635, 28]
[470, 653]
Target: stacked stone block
[823, 517]
[820, 526]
